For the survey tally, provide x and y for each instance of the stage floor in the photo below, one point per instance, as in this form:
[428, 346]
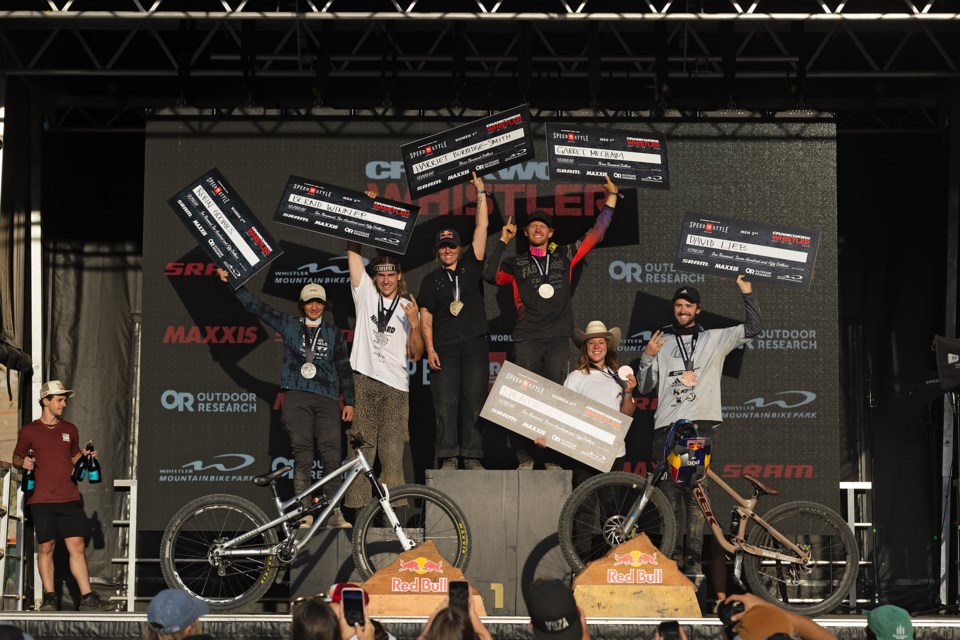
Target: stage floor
[129, 626]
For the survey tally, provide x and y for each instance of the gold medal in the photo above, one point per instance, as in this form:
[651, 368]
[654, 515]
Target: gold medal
[689, 378]
[455, 307]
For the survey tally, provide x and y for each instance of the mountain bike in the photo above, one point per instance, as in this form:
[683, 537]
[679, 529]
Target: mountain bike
[226, 551]
[800, 555]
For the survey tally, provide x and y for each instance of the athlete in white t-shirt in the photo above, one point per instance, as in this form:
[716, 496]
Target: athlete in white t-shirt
[386, 335]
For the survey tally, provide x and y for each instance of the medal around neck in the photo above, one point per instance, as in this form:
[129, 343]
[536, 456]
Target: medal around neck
[546, 291]
[624, 371]
[456, 307]
[308, 370]
[688, 378]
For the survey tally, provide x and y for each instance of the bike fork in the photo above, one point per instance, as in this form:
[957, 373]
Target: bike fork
[405, 541]
[641, 503]
[738, 568]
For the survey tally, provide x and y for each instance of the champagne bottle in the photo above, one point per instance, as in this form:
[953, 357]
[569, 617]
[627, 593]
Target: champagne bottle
[80, 468]
[29, 478]
[93, 465]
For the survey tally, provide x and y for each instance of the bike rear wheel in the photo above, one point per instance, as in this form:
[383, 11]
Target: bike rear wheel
[424, 514]
[592, 517]
[823, 583]
[198, 528]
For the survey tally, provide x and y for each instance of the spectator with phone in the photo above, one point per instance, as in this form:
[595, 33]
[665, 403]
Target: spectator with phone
[670, 630]
[334, 598]
[455, 622]
[312, 618]
[751, 618]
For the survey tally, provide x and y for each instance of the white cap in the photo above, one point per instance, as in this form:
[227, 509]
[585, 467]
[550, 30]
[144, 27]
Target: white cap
[311, 291]
[54, 388]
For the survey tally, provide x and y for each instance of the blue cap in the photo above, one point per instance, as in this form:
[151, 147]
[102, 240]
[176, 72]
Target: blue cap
[173, 610]
[10, 631]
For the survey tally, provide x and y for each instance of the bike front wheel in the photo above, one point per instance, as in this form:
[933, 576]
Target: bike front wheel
[592, 518]
[818, 586]
[197, 531]
[424, 514]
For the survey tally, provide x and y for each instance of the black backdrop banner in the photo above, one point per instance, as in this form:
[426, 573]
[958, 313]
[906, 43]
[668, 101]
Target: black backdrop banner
[210, 400]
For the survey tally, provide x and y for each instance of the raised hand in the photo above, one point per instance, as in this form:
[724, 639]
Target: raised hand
[509, 230]
[609, 186]
[656, 342]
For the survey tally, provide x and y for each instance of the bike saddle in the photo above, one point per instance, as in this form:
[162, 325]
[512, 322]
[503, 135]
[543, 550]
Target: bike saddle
[762, 487]
[268, 478]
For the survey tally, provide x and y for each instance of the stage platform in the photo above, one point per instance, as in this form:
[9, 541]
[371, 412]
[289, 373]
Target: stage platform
[129, 626]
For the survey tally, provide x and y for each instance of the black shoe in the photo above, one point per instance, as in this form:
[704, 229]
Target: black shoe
[92, 602]
[49, 602]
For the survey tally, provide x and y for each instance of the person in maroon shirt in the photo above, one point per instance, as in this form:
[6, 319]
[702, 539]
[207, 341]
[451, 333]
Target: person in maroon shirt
[55, 505]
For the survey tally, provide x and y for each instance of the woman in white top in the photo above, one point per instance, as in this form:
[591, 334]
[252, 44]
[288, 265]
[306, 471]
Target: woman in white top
[596, 374]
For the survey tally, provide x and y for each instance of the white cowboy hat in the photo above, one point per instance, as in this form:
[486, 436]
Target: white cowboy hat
[596, 329]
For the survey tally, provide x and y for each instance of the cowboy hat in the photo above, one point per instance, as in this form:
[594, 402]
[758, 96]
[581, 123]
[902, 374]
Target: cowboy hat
[596, 329]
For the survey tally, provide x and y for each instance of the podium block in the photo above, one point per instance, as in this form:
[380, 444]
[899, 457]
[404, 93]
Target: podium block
[635, 580]
[415, 584]
[513, 517]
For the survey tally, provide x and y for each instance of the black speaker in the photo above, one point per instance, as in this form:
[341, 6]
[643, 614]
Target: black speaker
[948, 362]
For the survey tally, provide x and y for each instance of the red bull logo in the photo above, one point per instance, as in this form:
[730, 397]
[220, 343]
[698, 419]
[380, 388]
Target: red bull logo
[419, 585]
[635, 576]
[634, 559]
[695, 444]
[421, 565]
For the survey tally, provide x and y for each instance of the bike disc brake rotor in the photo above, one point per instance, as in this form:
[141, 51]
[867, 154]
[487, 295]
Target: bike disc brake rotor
[613, 530]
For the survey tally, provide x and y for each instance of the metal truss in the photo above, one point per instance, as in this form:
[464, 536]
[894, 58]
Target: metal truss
[885, 65]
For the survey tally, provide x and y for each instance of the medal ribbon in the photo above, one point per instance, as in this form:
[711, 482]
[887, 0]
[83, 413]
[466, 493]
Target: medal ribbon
[684, 355]
[384, 315]
[543, 272]
[455, 281]
[610, 372]
[312, 348]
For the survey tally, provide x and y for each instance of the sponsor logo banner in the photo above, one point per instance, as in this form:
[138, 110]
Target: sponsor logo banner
[224, 226]
[726, 247]
[439, 161]
[629, 158]
[571, 423]
[347, 214]
[782, 405]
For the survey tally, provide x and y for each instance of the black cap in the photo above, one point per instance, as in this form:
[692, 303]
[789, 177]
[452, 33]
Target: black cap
[686, 293]
[447, 237]
[542, 216]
